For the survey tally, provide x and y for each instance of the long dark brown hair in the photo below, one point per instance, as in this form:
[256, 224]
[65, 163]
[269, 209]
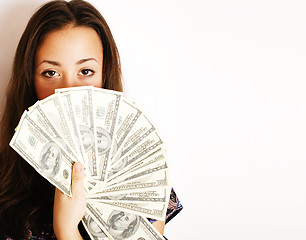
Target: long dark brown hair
[26, 199]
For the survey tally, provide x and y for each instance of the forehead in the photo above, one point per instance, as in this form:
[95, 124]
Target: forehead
[70, 42]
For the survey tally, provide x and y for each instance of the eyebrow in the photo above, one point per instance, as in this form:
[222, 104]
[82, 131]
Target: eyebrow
[78, 62]
[86, 60]
[50, 62]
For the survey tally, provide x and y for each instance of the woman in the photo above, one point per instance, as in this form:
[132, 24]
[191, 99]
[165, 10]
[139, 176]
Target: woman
[64, 44]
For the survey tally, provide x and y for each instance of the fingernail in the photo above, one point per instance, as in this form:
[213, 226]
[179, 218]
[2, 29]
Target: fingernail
[78, 167]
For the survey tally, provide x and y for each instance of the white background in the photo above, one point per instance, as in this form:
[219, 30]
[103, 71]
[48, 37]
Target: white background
[224, 81]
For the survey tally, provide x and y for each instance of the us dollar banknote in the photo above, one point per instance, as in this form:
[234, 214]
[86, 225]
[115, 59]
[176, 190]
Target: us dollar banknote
[81, 100]
[141, 173]
[43, 154]
[155, 210]
[67, 106]
[94, 231]
[155, 180]
[54, 110]
[128, 115]
[147, 166]
[126, 167]
[140, 129]
[118, 224]
[158, 155]
[159, 194]
[40, 118]
[148, 144]
[105, 108]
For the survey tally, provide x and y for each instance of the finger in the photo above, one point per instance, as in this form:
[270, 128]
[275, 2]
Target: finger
[77, 178]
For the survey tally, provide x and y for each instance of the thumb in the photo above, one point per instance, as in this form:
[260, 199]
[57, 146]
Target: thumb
[77, 179]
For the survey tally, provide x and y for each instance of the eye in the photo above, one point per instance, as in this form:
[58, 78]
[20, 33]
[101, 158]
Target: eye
[86, 72]
[50, 74]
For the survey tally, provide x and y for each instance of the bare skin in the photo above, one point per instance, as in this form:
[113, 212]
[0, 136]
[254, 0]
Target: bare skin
[69, 211]
[69, 57]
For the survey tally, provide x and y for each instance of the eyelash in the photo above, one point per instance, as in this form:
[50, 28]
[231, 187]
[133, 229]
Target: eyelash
[48, 72]
[89, 70]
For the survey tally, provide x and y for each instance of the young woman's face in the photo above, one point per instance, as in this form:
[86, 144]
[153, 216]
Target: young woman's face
[69, 57]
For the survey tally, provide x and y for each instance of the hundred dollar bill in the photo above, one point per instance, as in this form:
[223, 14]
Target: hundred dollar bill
[92, 228]
[144, 148]
[141, 128]
[157, 194]
[40, 118]
[142, 172]
[81, 100]
[43, 154]
[67, 106]
[54, 110]
[128, 114]
[158, 155]
[156, 180]
[118, 224]
[155, 210]
[105, 108]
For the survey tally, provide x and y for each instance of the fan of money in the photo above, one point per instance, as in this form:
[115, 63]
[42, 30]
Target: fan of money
[123, 155]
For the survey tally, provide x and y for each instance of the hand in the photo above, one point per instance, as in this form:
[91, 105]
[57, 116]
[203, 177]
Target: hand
[160, 226]
[68, 212]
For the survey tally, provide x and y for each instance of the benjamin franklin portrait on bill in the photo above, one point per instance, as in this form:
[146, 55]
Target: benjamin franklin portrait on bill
[87, 137]
[104, 140]
[50, 159]
[122, 225]
[94, 229]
